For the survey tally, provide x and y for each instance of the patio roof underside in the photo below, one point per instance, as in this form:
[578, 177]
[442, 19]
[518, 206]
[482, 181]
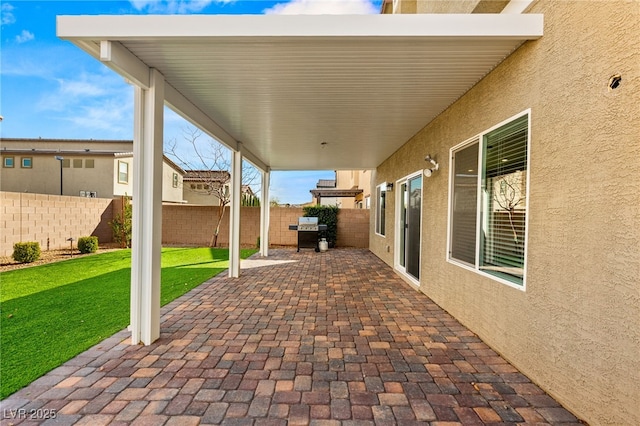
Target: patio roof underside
[307, 92]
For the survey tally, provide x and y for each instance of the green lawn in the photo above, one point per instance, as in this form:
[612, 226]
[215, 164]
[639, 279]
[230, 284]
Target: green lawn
[51, 313]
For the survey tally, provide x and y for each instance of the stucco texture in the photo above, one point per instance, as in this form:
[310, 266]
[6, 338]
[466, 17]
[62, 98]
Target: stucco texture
[575, 329]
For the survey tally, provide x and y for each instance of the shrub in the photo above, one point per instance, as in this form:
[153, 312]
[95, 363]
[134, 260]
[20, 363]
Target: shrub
[26, 252]
[327, 215]
[88, 244]
[121, 224]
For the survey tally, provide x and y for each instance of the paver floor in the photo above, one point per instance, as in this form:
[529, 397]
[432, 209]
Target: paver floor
[332, 338]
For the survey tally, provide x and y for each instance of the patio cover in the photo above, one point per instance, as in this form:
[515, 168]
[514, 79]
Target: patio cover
[285, 93]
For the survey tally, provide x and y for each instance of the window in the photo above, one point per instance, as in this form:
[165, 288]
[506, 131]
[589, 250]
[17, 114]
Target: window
[89, 163]
[66, 163]
[381, 192]
[123, 172]
[26, 162]
[8, 162]
[175, 180]
[488, 203]
[77, 163]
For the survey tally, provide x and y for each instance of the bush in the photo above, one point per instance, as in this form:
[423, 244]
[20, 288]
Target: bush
[121, 224]
[327, 215]
[26, 252]
[88, 244]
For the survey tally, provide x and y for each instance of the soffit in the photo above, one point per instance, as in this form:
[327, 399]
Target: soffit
[315, 92]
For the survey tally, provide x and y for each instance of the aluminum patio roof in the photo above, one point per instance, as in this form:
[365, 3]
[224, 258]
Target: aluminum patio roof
[307, 92]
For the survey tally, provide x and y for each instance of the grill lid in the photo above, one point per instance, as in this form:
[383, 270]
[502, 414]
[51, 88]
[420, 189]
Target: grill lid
[307, 224]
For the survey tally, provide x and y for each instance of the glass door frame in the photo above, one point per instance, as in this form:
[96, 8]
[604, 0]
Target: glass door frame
[401, 242]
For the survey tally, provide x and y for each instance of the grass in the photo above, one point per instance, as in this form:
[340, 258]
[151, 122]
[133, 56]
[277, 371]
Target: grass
[51, 313]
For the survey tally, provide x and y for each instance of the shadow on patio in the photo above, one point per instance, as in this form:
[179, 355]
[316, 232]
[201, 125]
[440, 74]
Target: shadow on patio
[300, 338]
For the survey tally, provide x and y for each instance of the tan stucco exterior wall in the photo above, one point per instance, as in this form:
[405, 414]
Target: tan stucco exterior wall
[171, 193]
[575, 331]
[44, 176]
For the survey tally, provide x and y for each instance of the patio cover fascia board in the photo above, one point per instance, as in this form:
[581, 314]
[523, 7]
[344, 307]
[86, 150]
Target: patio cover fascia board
[105, 37]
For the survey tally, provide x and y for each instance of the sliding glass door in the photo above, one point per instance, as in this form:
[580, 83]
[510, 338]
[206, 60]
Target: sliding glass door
[409, 225]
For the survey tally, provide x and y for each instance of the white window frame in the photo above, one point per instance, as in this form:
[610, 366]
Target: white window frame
[479, 139]
[120, 164]
[379, 226]
[8, 162]
[23, 162]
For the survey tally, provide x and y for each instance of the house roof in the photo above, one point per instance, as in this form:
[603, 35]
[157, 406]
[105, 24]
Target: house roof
[326, 183]
[306, 92]
[206, 176]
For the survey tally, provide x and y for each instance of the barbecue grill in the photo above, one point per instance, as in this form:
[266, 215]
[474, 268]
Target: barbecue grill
[308, 232]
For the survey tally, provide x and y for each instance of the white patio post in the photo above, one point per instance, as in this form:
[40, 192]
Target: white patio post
[265, 213]
[234, 216]
[147, 211]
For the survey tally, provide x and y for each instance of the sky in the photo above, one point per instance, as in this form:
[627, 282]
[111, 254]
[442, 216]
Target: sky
[51, 89]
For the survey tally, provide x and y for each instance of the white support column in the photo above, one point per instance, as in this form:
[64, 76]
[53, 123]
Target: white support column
[147, 211]
[265, 212]
[234, 219]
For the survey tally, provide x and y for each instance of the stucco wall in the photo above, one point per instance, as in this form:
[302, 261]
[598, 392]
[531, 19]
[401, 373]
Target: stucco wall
[576, 329]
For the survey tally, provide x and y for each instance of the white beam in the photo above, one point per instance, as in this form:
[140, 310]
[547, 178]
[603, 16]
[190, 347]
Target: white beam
[234, 219]
[175, 27]
[147, 211]
[517, 6]
[187, 110]
[120, 59]
[265, 214]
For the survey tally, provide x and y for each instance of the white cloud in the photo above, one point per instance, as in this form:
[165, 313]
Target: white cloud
[173, 6]
[6, 11]
[24, 36]
[323, 7]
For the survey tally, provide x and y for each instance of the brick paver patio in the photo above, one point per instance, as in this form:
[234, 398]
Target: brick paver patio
[330, 338]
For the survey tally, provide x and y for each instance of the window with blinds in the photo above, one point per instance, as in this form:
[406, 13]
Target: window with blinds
[504, 187]
[464, 208]
[489, 206]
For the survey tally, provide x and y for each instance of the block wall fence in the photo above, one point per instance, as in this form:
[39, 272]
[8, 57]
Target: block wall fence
[185, 224]
[54, 218]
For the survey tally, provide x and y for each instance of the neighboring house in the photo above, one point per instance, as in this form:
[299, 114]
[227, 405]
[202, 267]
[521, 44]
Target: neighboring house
[358, 181]
[350, 189]
[203, 187]
[85, 168]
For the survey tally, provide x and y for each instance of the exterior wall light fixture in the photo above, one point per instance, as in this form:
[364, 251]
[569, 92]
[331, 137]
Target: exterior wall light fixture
[429, 171]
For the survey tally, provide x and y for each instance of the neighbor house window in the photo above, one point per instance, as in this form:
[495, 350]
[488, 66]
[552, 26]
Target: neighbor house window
[381, 195]
[175, 180]
[8, 162]
[77, 163]
[488, 206]
[89, 163]
[26, 162]
[123, 172]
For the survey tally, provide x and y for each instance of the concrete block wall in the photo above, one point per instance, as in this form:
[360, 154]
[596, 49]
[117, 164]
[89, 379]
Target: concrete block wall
[193, 225]
[353, 228]
[38, 217]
